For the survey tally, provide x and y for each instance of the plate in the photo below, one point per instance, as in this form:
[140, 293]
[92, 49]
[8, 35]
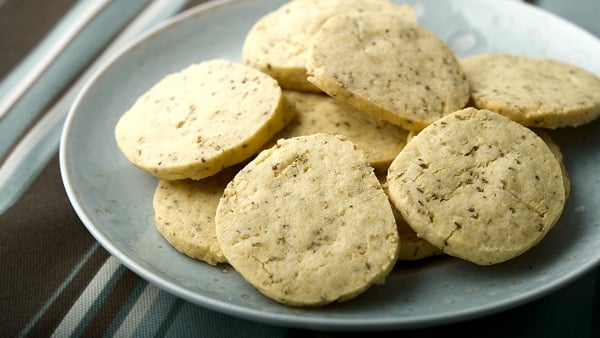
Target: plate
[114, 199]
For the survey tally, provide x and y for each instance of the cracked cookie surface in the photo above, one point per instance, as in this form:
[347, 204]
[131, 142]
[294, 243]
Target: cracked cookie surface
[478, 186]
[387, 66]
[307, 222]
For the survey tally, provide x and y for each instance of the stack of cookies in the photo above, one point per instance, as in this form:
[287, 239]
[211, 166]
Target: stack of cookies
[350, 138]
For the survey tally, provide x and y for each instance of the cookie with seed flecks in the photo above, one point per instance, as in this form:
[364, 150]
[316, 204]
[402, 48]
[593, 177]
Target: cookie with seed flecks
[478, 186]
[380, 140]
[307, 223]
[194, 123]
[387, 66]
[184, 214]
[536, 92]
[277, 44]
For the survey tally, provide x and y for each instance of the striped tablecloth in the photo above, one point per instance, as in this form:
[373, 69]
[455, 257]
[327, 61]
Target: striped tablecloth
[56, 280]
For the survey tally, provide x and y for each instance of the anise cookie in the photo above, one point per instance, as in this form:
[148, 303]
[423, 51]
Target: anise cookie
[478, 186]
[380, 140]
[278, 42]
[307, 223]
[387, 66]
[184, 214]
[536, 92]
[209, 116]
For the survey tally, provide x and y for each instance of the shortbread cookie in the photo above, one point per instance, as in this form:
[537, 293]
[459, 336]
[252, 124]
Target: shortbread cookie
[535, 92]
[184, 214]
[387, 66]
[307, 223]
[478, 186]
[381, 141]
[207, 117]
[278, 42]
[412, 247]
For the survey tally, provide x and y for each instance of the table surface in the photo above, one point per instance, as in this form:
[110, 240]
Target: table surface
[57, 280]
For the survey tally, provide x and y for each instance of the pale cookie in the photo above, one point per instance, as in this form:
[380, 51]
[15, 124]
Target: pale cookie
[184, 214]
[387, 66]
[207, 117]
[478, 186]
[278, 42]
[536, 92]
[412, 247]
[307, 222]
[380, 141]
[550, 143]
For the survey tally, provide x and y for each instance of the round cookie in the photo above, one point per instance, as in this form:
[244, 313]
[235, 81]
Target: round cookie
[478, 186]
[380, 141]
[307, 223]
[387, 66]
[194, 123]
[278, 42]
[554, 148]
[184, 214]
[536, 92]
